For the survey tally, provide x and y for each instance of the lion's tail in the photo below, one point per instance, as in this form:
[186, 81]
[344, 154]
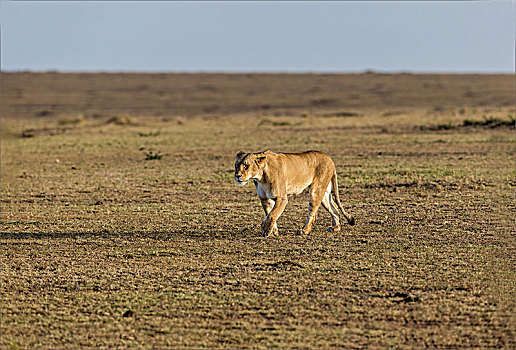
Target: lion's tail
[335, 189]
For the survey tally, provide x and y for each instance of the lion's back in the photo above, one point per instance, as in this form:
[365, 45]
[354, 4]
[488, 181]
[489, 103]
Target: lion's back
[302, 169]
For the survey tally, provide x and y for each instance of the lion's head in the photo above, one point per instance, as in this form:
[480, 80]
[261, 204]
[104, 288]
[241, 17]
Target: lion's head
[248, 166]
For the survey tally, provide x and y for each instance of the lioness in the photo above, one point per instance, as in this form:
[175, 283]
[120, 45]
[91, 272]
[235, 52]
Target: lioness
[277, 175]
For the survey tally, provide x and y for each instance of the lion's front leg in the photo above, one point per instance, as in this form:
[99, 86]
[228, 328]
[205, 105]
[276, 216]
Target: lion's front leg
[267, 205]
[269, 224]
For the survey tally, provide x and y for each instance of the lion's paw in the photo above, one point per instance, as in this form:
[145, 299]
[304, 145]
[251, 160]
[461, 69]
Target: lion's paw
[268, 228]
[273, 232]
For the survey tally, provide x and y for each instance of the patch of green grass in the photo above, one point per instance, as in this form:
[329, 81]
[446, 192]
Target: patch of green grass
[150, 133]
[79, 119]
[447, 126]
[270, 122]
[490, 121]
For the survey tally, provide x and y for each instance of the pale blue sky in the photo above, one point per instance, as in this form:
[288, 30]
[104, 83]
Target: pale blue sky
[468, 36]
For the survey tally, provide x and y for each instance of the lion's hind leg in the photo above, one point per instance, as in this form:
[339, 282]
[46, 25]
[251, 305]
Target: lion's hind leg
[334, 212]
[317, 194]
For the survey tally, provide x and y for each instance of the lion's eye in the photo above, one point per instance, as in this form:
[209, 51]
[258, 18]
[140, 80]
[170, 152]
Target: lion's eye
[246, 166]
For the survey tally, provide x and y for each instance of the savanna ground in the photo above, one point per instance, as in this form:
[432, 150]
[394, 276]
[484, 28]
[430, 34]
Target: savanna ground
[122, 226]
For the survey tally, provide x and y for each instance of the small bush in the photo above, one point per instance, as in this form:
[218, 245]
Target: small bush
[323, 101]
[267, 121]
[44, 113]
[490, 121]
[150, 133]
[120, 120]
[448, 126]
[79, 119]
[150, 155]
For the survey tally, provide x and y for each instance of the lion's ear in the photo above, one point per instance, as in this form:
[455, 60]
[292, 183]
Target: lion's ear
[239, 156]
[260, 160]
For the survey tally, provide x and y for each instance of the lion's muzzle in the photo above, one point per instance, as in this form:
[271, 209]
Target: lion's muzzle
[238, 179]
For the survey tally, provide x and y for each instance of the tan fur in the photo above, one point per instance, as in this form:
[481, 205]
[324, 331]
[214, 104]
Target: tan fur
[277, 175]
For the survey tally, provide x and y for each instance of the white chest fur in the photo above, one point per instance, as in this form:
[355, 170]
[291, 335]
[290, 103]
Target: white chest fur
[263, 190]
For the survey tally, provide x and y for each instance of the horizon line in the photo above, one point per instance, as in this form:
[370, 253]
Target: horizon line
[250, 71]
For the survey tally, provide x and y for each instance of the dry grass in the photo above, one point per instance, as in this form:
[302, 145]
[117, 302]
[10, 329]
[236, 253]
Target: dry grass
[102, 247]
